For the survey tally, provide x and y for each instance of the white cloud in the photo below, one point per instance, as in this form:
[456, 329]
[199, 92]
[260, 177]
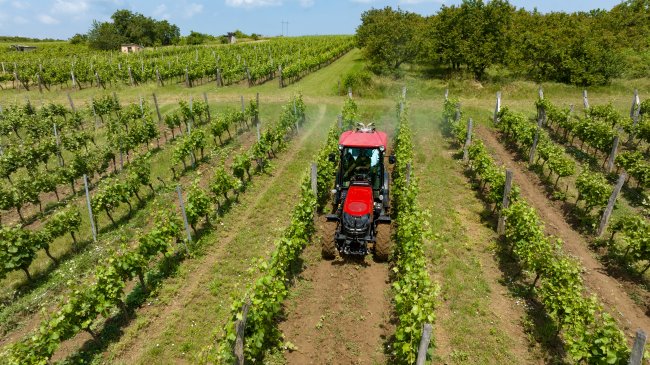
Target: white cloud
[252, 3]
[192, 9]
[306, 3]
[46, 19]
[70, 7]
[161, 12]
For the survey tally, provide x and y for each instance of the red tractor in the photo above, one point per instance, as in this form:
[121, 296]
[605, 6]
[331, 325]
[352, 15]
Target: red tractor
[361, 200]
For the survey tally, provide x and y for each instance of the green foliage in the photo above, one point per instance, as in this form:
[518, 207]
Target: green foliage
[350, 114]
[198, 204]
[85, 303]
[414, 293]
[390, 37]
[589, 334]
[593, 189]
[129, 27]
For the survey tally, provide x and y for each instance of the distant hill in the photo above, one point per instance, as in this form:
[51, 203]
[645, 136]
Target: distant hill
[4, 38]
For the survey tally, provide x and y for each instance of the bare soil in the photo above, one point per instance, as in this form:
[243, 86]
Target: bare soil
[611, 292]
[339, 312]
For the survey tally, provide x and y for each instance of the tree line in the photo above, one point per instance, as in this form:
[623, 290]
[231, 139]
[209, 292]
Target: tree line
[581, 48]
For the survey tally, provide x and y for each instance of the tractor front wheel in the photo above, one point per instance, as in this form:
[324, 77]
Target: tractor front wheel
[382, 242]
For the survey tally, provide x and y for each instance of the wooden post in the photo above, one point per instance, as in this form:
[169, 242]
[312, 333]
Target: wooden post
[243, 108]
[259, 135]
[187, 226]
[71, 103]
[501, 224]
[540, 92]
[74, 80]
[350, 92]
[497, 108]
[257, 103]
[585, 99]
[280, 76]
[610, 204]
[635, 103]
[90, 210]
[40, 83]
[403, 92]
[457, 115]
[248, 76]
[446, 94]
[240, 327]
[424, 344]
[531, 156]
[339, 119]
[98, 79]
[612, 155]
[187, 78]
[314, 178]
[158, 78]
[58, 145]
[130, 76]
[205, 99]
[468, 140]
[155, 102]
[636, 356]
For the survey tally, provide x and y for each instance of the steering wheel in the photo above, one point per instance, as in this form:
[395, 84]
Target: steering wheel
[361, 174]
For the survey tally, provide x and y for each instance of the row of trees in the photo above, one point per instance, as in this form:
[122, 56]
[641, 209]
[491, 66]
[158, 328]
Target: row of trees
[585, 48]
[129, 27]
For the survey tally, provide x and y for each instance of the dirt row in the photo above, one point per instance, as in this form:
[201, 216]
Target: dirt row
[611, 292]
[339, 311]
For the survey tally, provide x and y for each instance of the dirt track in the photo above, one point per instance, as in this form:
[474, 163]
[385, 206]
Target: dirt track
[610, 291]
[339, 310]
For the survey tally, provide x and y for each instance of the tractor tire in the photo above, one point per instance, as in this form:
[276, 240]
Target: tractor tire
[328, 246]
[383, 243]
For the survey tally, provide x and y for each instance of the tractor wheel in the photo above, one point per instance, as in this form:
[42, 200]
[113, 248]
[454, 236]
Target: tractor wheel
[328, 246]
[382, 243]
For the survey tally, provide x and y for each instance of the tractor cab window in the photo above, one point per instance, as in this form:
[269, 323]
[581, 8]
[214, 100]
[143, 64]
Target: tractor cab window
[361, 164]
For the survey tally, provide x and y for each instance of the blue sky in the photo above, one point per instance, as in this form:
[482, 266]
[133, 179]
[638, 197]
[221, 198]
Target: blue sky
[63, 18]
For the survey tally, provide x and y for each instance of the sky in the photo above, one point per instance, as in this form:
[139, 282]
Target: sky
[61, 19]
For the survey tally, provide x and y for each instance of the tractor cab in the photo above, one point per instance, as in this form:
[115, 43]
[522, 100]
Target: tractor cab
[361, 199]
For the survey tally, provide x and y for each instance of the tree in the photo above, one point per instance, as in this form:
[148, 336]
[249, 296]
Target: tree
[390, 37]
[79, 39]
[104, 36]
[473, 34]
[129, 27]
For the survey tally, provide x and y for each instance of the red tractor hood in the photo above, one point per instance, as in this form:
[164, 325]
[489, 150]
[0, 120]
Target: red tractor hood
[372, 139]
[358, 201]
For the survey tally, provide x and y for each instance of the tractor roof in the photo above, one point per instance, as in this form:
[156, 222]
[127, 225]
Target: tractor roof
[372, 139]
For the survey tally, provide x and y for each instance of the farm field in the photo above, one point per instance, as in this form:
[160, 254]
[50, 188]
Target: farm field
[342, 311]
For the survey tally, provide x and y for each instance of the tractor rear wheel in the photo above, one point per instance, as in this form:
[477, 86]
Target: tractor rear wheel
[328, 246]
[382, 243]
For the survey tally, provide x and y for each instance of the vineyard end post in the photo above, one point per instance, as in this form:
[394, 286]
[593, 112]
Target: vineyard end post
[497, 108]
[637, 350]
[408, 174]
[501, 224]
[610, 204]
[424, 344]
[187, 226]
[240, 327]
[90, 210]
[612, 155]
[468, 140]
[314, 178]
